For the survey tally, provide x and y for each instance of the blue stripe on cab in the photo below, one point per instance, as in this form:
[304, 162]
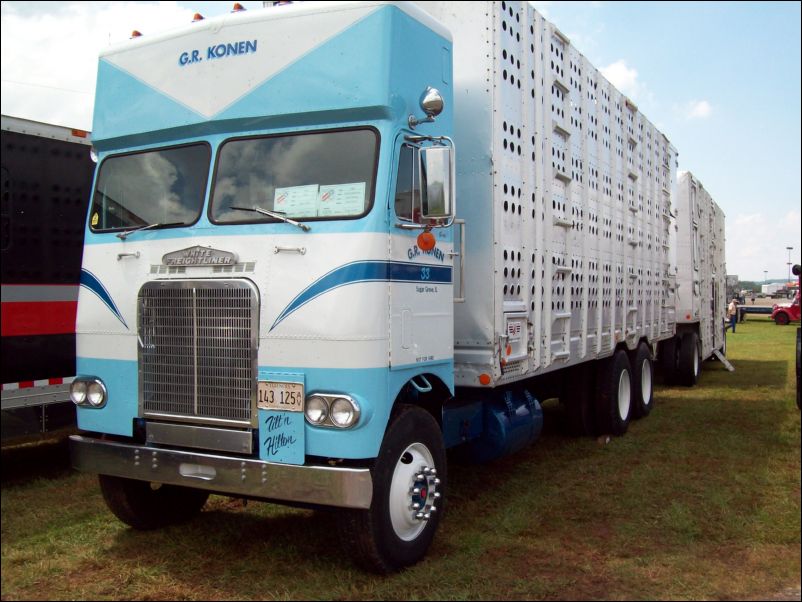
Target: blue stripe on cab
[367, 271]
[90, 281]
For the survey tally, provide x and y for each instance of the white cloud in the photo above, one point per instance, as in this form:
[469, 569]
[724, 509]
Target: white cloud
[698, 109]
[756, 242]
[50, 50]
[625, 79]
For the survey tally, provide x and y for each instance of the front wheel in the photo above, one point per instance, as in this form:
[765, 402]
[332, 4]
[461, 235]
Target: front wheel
[145, 506]
[781, 319]
[409, 482]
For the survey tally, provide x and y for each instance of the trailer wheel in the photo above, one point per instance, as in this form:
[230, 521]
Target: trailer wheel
[781, 319]
[409, 480]
[614, 402]
[669, 360]
[578, 402]
[689, 362]
[145, 506]
[642, 381]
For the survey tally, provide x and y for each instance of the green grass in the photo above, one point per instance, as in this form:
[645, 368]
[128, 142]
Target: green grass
[701, 500]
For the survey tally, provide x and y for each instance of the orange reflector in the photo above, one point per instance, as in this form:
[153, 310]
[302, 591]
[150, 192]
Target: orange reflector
[136, 34]
[79, 133]
[237, 7]
[687, 316]
[197, 17]
[426, 241]
[509, 349]
[484, 379]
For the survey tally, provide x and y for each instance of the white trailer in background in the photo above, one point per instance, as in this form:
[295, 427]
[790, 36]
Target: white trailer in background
[701, 284]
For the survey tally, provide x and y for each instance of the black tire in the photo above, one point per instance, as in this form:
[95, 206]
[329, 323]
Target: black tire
[642, 382]
[580, 413]
[669, 360]
[371, 536]
[781, 319]
[614, 401]
[798, 365]
[144, 506]
[689, 361]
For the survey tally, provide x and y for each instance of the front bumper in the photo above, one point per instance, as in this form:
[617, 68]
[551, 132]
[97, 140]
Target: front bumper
[321, 485]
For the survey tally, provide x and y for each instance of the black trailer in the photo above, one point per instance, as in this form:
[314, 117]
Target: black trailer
[46, 182]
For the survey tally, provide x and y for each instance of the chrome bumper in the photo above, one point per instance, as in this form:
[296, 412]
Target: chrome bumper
[323, 485]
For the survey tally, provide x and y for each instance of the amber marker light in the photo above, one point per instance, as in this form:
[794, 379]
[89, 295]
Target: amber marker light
[136, 34]
[197, 17]
[237, 8]
[426, 241]
[484, 379]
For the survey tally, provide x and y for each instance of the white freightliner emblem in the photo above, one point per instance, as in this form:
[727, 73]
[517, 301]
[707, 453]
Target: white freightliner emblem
[201, 256]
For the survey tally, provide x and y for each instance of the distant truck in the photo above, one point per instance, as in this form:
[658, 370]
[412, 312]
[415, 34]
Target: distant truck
[46, 183]
[770, 290]
[701, 283]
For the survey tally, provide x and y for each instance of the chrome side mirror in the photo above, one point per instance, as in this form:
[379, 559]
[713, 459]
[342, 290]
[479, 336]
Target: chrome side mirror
[435, 185]
[431, 101]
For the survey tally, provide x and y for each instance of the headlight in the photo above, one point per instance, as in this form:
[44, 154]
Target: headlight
[317, 409]
[88, 391]
[331, 410]
[96, 393]
[78, 391]
[344, 412]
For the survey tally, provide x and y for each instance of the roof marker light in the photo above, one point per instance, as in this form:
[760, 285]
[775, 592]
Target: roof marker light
[135, 34]
[237, 7]
[197, 17]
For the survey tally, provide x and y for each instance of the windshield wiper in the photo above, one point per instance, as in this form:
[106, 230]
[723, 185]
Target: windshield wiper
[127, 233]
[275, 215]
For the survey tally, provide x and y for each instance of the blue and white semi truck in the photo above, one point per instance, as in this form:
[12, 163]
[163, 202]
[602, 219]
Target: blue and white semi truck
[328, 242]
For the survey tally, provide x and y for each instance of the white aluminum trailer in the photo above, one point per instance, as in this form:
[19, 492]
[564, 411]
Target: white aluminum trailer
[564, 190]
[701, 281]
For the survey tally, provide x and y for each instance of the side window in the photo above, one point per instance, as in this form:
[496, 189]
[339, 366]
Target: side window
[406, 186]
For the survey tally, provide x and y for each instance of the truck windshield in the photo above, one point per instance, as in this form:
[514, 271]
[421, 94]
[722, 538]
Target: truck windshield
[321, 175]
[162, 187]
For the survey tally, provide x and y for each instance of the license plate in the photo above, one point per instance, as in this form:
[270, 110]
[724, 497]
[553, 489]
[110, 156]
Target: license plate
[273, 395]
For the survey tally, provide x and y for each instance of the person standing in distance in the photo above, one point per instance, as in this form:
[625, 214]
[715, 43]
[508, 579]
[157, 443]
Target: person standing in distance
[732, 313]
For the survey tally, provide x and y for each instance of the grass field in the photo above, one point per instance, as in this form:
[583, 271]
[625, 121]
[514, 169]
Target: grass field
[701, 500]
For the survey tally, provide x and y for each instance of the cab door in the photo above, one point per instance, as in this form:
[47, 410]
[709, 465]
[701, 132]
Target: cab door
[421, 255]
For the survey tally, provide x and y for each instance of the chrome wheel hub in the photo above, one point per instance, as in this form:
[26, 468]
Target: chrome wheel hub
[413, 492]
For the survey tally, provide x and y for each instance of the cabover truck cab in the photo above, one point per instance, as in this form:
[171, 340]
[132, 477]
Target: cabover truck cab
[328, 243]
[701, 284]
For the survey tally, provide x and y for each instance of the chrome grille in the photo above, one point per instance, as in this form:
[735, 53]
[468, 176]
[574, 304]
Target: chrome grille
[197, 350]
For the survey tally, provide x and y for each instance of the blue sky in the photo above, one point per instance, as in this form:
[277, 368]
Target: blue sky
[720, 79]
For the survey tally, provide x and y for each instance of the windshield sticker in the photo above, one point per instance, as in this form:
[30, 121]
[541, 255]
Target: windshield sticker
[341, 199]
[297, 201]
